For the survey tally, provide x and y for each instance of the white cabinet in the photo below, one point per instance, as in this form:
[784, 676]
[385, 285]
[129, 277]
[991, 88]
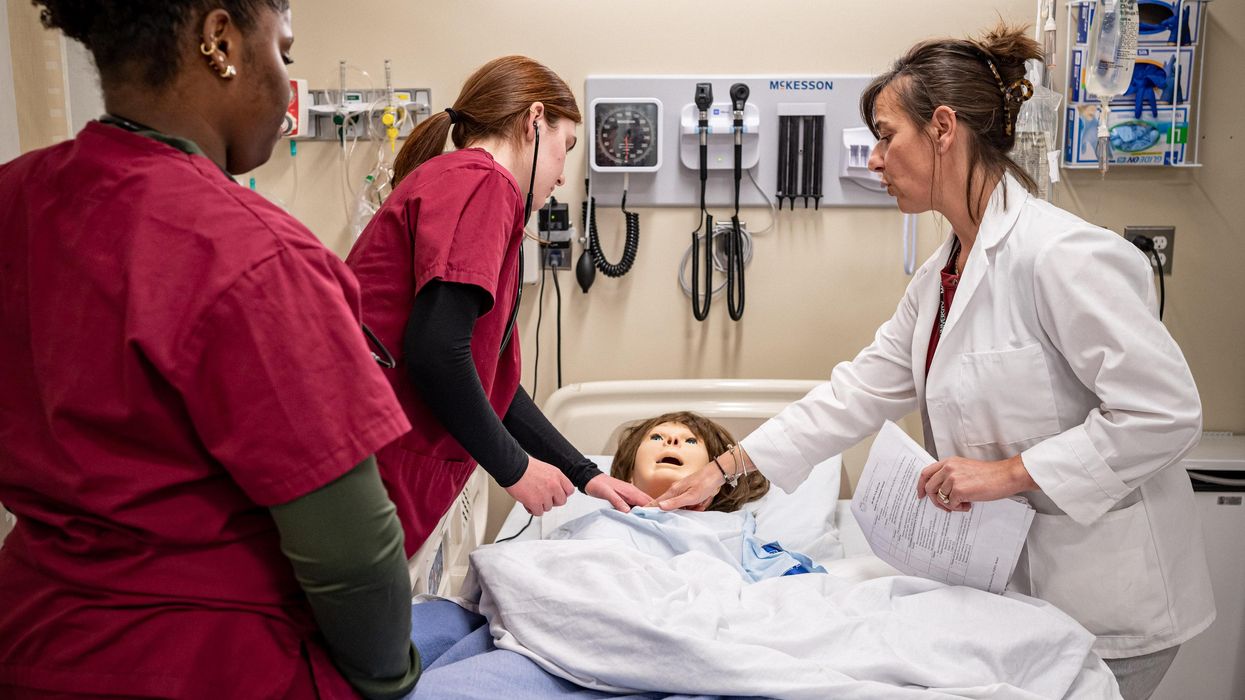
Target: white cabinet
[1211, 666]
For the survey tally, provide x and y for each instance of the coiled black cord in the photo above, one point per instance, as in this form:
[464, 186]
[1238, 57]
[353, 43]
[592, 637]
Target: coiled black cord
[630, 247]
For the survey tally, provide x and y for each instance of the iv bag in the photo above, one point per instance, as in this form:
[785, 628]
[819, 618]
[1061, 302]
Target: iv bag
[1036, 125]
[365, 206]
[1112, 48]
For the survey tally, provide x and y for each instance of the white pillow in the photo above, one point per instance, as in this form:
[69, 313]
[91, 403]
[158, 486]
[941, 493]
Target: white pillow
[802, 521]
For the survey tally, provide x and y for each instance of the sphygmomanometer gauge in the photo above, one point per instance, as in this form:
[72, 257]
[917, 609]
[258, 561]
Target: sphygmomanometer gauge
[627, 135]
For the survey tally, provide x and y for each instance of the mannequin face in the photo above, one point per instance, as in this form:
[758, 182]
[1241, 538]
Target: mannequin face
[668, 453]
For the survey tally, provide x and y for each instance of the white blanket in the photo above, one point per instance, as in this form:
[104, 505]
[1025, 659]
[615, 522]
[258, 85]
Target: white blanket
[605, 615]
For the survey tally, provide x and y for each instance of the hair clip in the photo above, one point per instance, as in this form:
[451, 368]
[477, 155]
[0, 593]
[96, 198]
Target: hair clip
[1021, 90]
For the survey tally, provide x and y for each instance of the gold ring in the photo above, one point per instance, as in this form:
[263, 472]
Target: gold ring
[944, 497]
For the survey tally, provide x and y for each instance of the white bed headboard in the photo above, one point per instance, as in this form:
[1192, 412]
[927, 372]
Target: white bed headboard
[592, 415]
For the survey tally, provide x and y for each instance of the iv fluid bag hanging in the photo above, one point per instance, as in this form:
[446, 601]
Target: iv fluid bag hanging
[1112, 48]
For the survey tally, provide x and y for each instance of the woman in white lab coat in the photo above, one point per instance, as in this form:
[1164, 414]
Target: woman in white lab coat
[1030, 344]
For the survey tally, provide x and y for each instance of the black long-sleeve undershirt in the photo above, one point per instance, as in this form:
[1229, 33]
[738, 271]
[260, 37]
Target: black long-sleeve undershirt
[436, 350]
[537, 435]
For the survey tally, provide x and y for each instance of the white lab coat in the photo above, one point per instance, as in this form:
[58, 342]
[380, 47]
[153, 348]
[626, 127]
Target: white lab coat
[1051, 350]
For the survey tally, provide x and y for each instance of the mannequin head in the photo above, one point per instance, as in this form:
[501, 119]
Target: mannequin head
[661, 450]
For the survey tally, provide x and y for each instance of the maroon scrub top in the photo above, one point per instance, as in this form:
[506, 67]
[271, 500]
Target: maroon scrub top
[950, 282]
[459, 218]
[177, 356]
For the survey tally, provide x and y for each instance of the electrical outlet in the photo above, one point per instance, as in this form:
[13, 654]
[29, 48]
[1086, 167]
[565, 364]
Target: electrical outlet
[556, 252]
[555, 258]
[1164, 238]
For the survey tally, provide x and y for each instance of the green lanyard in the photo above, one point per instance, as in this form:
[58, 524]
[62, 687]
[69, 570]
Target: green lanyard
[184, 145]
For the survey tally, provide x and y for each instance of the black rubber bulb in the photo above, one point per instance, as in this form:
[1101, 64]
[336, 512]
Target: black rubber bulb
[585, 271]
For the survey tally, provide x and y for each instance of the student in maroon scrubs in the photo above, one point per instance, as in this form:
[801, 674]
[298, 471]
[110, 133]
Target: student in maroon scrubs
[189, 406]
[439, 270]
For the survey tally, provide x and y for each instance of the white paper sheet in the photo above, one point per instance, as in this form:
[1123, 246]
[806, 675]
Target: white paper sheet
[977, 548]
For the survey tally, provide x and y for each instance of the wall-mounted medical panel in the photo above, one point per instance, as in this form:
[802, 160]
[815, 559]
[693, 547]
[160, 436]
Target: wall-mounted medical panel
[801, 139]
[359, 114]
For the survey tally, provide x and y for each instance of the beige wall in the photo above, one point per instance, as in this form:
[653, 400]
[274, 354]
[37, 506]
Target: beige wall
[821, 282]
[38, 78]
[10, 145]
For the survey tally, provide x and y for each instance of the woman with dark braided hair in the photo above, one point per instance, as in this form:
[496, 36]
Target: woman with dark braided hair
[190, 405]
[1031, 345]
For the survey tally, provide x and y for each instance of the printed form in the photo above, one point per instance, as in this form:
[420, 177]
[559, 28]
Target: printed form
[978, 548]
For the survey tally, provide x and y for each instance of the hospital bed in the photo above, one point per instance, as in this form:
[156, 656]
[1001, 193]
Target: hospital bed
[469, 644]
[439, 566]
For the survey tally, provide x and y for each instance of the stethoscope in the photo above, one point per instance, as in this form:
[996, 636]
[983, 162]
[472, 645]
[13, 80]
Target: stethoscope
[380, 353]
[527, 214]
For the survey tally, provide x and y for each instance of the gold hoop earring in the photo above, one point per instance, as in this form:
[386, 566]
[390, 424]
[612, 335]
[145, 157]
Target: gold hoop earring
[224, 71]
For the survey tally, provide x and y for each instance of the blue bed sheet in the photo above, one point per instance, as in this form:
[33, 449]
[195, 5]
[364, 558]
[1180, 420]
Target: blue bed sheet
[461, 663]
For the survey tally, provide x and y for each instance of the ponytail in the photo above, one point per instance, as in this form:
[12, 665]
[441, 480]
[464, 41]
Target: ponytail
[493, 103]
[426, 141]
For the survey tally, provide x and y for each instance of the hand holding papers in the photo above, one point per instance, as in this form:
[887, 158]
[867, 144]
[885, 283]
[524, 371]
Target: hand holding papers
[978, 547]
